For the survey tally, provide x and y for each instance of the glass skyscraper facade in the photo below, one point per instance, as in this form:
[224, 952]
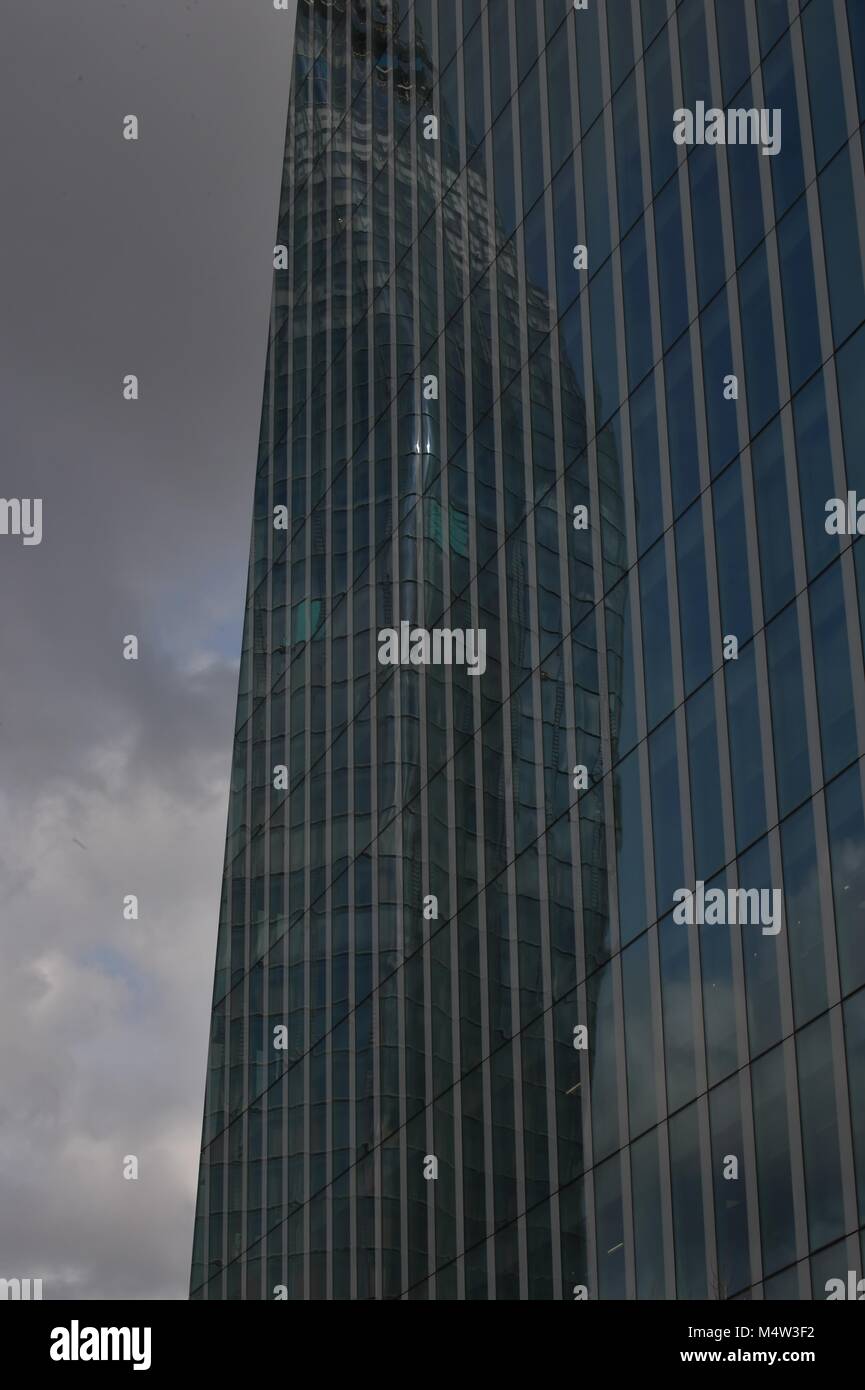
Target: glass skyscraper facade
[447, 924]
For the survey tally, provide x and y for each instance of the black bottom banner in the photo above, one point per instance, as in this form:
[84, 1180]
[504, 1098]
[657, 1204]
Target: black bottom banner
[159, 1339]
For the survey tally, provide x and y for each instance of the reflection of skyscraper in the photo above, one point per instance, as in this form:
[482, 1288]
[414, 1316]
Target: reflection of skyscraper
[413, 929]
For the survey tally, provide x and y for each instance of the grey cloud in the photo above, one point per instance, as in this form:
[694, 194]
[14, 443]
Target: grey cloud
[153, 258]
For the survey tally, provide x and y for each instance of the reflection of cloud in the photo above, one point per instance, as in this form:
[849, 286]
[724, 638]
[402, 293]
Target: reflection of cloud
[848, 863]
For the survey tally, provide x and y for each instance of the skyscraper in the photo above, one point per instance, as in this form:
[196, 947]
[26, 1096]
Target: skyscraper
[539, 372]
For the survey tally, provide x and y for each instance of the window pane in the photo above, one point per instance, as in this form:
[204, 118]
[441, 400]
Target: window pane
[774, 1179]
[773, 519]
[705, 782]
[746, 753]
[648, 1227]
[847, 854]
[825, 90]
[731, 1217]
[792, 770]
[685, 1172]
[820, 1133]
[832, 665]
[800, 303]
[843, 258]
[693, 599]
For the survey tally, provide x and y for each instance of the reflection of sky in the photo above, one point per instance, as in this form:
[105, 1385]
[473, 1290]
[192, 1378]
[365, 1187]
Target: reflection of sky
[117, 966]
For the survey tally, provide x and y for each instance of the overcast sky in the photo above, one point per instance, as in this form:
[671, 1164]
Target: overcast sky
[116, 257]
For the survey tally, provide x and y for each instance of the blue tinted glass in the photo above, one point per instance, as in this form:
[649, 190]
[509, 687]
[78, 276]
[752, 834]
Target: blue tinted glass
[814, 465]
[859, 566]
[659, 104]
[792, 771]
[758, 340]
[732, 27]
[774, 1177]
[471, 13]
[779, 92]
[666, 815]
[535, 243]
[847, 852]
[565, 236]
[854, 1034]
[571, 350]
[595, 196]
[679, 1052]
[670, 259]
[447, 22]
[731, 1212]
[610, 1229]
[823, 1182]
[719, 1012]
[589, 65]
[825, 89]
[503, 170]
[648, 1220]
[843, 258]
[604, 361]
[694, 53]
[686, 1179]
[559, 97]
[706, 216]
[629, 176]
[530, 136]
[693, 599]
[802, 914]
[624, 730]
[500, 50]
[654, 13]
[774, 17]
[599, 989]
[832, 666]
[555, 11]
[620, 37]
[773, 519]
[635, 289]
[717, 364]
[681, 425]
[706, 800]
[527, 37]
[639, 1037]
[646, 465]
[656, 634]
[743, 165]
[746, 751]
[761, 951]
[730, 546]
[802, 329]
[850, 364]
[629, 847]
[856, 27]
[476, 116]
